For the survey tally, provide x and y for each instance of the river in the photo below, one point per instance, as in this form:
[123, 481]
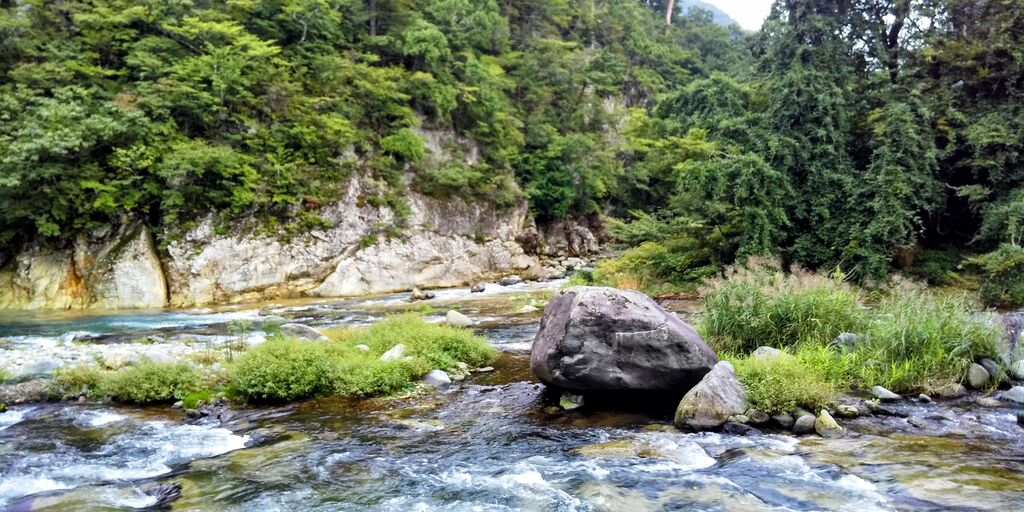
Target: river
[488, 443]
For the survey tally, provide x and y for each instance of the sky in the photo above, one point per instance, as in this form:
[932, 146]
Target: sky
[749, 13]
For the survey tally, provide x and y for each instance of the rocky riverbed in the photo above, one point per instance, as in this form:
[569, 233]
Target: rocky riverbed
[496, 441]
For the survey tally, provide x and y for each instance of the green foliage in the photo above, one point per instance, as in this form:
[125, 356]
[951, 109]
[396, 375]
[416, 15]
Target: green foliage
[1003, 276]
[149, 382]
[289, 369]
[917, 341]
[758, 304]
[782, 384]
[73, 381]
[910, 341]
[5, 375]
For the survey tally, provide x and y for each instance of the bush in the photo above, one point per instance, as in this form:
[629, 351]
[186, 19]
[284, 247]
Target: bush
[760, 305]
[288, 369]
[73, 381]
[148, 382]
[1003, 271]
[284, 369]
[783, 384]
[916, 341]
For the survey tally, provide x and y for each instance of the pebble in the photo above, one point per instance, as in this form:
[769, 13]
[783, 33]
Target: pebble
[847, 411]
[484, 369]
[923, 398]
[436, 378]
[977, 376]
[986, 401]
[784, 420]
[1015, 395]
[826, 426]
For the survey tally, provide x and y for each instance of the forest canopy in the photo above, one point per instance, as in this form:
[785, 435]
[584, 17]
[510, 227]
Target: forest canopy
[860, 135]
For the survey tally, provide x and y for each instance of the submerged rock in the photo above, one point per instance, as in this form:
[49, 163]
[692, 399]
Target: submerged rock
[804, 424]
[164, 494]
[456, 319]
[303, 332]
[478, 287]
[603, 339]
[418, 294]
[923, 398]
[987, 401]
[570, 401]
[436, 378]
[884, 394]
[826, 426]
[977, 376]
[710, 403]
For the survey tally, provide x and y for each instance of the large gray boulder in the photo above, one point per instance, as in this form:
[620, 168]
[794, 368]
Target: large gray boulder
[710, 403]
[603, 339]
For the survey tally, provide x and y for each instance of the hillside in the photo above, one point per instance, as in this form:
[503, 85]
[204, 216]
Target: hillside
[718, 15]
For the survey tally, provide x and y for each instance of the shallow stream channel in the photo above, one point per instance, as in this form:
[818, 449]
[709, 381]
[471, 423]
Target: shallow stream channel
[491, 442]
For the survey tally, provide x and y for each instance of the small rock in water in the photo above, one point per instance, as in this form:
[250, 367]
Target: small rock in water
[462, 366]
[710, 403]
[36, 390]
[977, 376]
[757, 417]
[510, 280]
[178, 405]
[478, 287]
[529, 308]
[1017, 370]
[394, 353]
[164, 494]
[1015, 395]
[456, 319]
[847, 411]
[418, 294]
[826, 426]
[986, 401]
[784, 420]
[436, 378]
[884, 394]
[739, 429]
[738, 418]
[302, 332]
[804, 424]
[923, 398]
[570, 401]
[363, 348]
[879, 409]
[484, 369]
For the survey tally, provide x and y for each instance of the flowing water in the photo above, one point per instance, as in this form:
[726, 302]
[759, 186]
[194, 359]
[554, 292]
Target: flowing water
[489, 443]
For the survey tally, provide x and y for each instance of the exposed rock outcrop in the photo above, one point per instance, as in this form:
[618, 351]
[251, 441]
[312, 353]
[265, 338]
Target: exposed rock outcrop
[603, 339]
[103, 271]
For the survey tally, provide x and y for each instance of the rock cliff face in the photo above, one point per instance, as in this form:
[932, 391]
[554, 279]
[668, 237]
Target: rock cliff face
[106, 271]
[443, 243]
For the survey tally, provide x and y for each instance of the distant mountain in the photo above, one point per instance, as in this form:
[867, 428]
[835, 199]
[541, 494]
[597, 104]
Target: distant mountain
[720, 17]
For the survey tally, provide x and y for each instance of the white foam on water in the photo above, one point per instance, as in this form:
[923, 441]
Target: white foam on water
[18, 486]
[13, 416]
[522, 481]
[141, 450]
[678, 453]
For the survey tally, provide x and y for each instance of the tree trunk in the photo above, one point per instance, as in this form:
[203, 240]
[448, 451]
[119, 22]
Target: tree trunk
[669, 11]
[373, 18]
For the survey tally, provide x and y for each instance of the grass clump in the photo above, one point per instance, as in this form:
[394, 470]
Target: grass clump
[289, 369]
[911, 340]
[760, 305]
[919, 341]
[783, 384]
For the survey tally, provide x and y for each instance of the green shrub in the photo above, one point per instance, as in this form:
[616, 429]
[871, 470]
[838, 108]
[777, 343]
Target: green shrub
[1003, 276]
[917, 340]
[782, 384]
[760, 305]
[936, 266]
[284, 369]
[5, 375]
[148, 382]
[71, 381]
[289, 369]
